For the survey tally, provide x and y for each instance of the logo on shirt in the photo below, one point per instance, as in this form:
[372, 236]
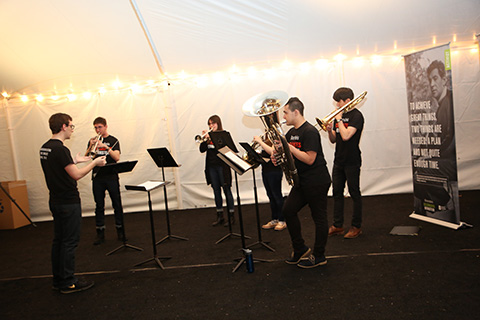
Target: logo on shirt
[44, 152]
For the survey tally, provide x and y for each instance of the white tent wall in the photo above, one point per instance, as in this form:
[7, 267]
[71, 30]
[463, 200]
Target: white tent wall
[140, 121]
[65, 46]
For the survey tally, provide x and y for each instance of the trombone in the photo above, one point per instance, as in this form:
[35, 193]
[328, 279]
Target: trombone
[322, 123]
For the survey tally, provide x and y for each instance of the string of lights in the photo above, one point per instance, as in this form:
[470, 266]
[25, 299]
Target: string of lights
[233, 73]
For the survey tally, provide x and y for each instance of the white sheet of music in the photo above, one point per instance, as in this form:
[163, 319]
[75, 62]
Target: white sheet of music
[237, 160]
[150, 185]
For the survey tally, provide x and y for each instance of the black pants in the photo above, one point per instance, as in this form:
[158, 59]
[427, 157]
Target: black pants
[316, 198]
[350, 175]
[113, 188]
[67, 220]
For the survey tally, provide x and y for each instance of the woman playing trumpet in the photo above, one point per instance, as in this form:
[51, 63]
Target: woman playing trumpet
[217, 173]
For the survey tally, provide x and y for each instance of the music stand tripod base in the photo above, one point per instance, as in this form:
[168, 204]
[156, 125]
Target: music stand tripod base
[163, 158]
[149, 186]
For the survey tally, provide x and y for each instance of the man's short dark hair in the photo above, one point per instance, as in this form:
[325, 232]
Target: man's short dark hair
[437, 64]
[343, 93]
[295, 104]
[57, 121]
[100, 120]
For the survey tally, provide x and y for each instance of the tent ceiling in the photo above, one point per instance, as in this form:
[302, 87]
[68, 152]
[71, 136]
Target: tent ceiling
[61, 44]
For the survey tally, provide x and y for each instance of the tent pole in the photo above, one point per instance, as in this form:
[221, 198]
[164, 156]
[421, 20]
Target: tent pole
[168, 111]
[10, 136]
[158, 61]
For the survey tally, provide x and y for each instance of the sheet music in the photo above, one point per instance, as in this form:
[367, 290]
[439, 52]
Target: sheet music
[237, 160]
[150, 185]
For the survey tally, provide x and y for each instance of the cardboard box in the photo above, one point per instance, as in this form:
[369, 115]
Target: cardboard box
[10, 216]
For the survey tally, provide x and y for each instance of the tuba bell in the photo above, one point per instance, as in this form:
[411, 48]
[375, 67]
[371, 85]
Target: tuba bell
[265, 106]
[349, 106]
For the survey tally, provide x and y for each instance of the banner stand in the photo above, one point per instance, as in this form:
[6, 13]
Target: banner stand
[461, 225]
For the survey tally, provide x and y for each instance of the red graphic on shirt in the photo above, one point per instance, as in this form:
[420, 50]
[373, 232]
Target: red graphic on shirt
[296, 144]
[344, 123]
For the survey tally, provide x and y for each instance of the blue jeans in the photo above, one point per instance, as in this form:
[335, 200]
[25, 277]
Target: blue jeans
[218, 183]
[67, 219]
[99, 187]
[272, 180]
[316, 198]
[351, 175]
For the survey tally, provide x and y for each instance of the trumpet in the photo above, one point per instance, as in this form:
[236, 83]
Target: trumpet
[349, 106]
[92, 149]
[203, 137]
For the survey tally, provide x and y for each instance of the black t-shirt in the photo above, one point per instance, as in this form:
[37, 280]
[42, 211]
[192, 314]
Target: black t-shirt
[108, 141]
[54, 157]
[347, 153]
[307, 138]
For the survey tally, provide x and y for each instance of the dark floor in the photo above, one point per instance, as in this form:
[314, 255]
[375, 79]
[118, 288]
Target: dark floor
[434, 275]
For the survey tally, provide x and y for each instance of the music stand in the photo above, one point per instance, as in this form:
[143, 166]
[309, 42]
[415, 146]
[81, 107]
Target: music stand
[258, 160]
[149, 186]
[223, 139]
[163, 158]
[240, 166]
[116, 168]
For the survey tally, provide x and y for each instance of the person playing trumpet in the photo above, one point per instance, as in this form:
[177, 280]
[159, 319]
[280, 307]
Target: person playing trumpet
[345, 132]
[106, 145]
[217, 173]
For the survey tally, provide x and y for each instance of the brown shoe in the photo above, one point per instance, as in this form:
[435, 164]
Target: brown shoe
[334, 230]
[353, 233]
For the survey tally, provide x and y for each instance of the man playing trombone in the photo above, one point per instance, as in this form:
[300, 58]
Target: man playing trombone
[105, 145]
[345, 132]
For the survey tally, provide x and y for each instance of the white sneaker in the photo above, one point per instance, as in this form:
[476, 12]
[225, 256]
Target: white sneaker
[280, 225]
[270, 225]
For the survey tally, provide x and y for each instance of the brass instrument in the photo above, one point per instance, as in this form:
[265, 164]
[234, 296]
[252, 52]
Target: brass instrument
[255, 145]
[349, 106]
[265, 106]
[92, 149]
[201, 138]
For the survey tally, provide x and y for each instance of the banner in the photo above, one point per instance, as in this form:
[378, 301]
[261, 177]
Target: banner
[432, 136]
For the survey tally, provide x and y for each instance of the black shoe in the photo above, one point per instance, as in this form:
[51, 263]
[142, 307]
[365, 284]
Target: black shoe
[297, 256]
[312, 262]
[77, 287]
[232, 219]
[100, 238]
[220, 219]
[121, 234]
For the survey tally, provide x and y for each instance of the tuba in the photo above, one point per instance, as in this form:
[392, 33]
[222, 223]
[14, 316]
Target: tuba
[349, 106]
[265, 106]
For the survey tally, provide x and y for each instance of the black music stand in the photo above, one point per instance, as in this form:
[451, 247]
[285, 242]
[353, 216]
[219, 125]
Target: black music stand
[116, 168]
[223, 139]
[149, 186]
[163, 158]
[258, 160]
[240, 166]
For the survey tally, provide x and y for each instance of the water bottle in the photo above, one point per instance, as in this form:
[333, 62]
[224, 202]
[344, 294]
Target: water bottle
[249, 260]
